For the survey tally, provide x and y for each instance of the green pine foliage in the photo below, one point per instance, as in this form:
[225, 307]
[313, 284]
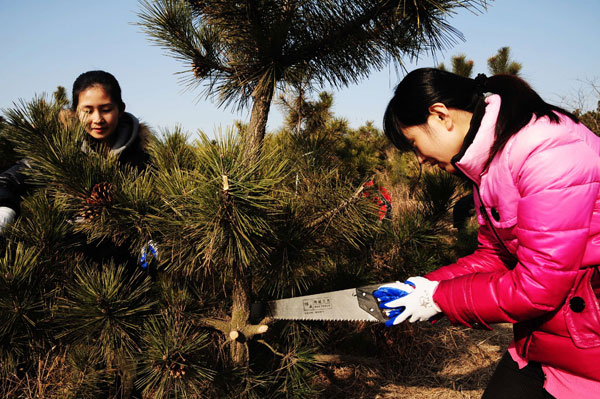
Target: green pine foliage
[215, 212]
[460, 65]
[420, 238]
[103, 307]
[501, 63]
[437, 194]
[85, 375]
[45, 226]
[176, 363]
[21, 302]
[362, 151]
[7, 154]
[172, 151]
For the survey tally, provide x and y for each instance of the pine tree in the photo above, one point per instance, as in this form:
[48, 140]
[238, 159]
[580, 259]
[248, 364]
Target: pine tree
[246, 51]
[501, 63]
[460, 66]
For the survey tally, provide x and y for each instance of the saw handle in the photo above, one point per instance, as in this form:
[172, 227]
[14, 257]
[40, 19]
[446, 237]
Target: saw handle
[368, 303]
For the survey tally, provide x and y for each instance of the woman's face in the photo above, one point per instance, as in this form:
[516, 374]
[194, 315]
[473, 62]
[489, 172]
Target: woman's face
[438, 140]
[98, 112]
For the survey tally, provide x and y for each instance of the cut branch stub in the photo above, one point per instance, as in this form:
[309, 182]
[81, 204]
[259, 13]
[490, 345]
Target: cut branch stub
[225, 183]
[244, 333]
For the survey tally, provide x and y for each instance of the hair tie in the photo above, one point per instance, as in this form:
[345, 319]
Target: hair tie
[480, 82]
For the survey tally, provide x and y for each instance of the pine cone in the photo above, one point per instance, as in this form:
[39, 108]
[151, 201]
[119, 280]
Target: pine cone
[99, 198]
[177, 370]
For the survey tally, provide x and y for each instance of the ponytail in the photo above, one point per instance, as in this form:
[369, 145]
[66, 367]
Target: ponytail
[519, 104]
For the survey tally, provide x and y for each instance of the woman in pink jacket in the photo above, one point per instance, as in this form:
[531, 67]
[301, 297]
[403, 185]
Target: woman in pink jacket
[536, 177]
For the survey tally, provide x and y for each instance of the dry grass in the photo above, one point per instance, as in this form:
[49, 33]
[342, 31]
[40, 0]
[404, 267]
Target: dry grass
[414, 361]
[42, 382]
[51, 376]
[424, 362]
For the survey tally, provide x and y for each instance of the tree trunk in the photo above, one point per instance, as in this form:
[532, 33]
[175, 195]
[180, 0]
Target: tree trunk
[240, 314]
[242, 280]
[258, 123]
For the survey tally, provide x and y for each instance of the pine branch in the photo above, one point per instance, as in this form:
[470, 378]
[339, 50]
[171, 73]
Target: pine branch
[233, 333]
[221, 325]
[170, 24]
[332, 213]
[105, 308]
[249, 49]
[350, 29]
[176, 360]
[21, 296]
[337, 50]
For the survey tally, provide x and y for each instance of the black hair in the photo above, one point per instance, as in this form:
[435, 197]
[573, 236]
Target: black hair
[98, 78]
[424, 87]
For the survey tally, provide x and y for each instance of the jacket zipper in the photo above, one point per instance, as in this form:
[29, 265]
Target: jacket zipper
[487, 217]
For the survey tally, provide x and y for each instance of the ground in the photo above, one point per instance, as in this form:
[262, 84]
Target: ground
[443, 362]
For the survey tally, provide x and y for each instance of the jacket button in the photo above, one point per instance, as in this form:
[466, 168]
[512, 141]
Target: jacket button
[577, 304]
[495, 214]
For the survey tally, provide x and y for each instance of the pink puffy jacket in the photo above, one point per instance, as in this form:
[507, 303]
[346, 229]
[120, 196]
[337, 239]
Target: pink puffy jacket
[541, 195]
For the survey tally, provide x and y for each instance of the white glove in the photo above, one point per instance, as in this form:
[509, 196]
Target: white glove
[412, 300]
[7, 216]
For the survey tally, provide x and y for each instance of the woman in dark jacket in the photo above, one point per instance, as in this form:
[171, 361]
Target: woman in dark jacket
[98, 104]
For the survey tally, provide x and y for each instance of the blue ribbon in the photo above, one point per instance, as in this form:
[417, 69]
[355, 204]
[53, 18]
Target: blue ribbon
[145, 257]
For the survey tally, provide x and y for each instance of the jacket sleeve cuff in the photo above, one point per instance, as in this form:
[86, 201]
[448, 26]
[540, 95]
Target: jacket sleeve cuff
[454, 297]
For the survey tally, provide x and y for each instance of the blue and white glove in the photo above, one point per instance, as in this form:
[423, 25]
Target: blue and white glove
[412, 300]
[7, 216]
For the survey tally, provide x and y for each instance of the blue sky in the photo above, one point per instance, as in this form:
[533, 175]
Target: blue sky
[49, 43]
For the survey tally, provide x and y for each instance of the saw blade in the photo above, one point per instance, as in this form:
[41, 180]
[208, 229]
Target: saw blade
[354, 304]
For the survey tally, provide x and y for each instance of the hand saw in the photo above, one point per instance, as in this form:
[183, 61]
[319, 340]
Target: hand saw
[354, 304]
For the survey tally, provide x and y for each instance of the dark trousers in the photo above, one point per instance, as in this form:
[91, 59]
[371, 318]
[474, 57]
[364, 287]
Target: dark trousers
[510, 382]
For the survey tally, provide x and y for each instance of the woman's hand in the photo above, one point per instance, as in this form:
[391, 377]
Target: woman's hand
[412, 300]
